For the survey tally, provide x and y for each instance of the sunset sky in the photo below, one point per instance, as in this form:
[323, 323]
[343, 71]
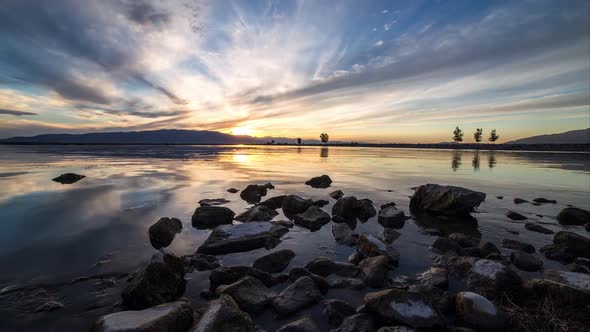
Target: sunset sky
[374, 71]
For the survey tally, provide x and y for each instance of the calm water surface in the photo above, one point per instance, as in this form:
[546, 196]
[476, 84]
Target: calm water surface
[52, 233]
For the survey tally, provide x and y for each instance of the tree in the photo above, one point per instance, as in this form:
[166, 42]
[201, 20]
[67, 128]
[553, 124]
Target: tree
[477, 135]
[324, 137]
[299, 141]
[494, 136]
[457, 135]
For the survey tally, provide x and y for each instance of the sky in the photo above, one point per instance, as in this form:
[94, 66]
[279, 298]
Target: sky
[371, 71]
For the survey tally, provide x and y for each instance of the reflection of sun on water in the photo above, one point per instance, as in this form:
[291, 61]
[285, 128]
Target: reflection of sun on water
[241, 158]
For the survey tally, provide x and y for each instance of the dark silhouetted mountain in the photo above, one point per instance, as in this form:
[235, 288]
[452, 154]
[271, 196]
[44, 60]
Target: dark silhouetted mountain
[581, 136]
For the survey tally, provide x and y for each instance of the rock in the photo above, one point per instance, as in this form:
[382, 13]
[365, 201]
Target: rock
[227, 239]
[249, 293]
[274, 202]
[313, 218]
[284, 223]
[399, 329]
[374, 270]
[212, 202]
[430, 231]
[346, 207]
[322, 181]
[488, 248]
[253, 193]
[257, 213]
[365, 209]
[349, 283]
[562, 287]
[389, 235]
[500, 197]
[324, 267]
[343, 234]
[476, 311]
[464, 240]
[587, 227]
[357, 323]
[515, 216]
[275, 261]
[174, 316]
[232, 190]
[224, 314]
[68, 178]
[573, 216]
[391, 217]
[443, 245]
[538, 228]
[409, 307]
[446, 200]
[520, 201]
[472, 252]
[212, 216]
[517, 245]
[269, 185]
[162, 281]
[436, 277]
[200, 262]
[336, 194]
[230, 274]
[336, 311]
[163, 232]
[355, 258]
[300, 294]
[321, 282]
[542, 200]
[526, 262]
[573, 243]
[583, 261]
[293, 204]
[370, 246]
[49, 306]
[558, 253]
[578, 268]
[304, 324]
[321, 202]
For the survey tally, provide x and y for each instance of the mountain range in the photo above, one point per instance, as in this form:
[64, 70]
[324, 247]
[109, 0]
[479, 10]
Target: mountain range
[581, 136]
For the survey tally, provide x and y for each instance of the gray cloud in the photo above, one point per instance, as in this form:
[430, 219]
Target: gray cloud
[144, 13]
[15, 112]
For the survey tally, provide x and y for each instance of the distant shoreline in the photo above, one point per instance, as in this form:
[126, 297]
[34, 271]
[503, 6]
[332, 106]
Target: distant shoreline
[464, 146]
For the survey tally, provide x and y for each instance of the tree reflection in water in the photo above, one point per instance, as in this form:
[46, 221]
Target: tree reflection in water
[475, 161]
[324, 152]
[492, 159]
[456, 163]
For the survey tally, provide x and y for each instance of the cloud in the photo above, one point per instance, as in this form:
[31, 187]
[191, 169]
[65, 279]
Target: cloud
[144, 13]
[15, 112]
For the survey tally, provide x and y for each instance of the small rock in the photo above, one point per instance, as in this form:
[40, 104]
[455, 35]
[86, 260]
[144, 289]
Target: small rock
[517, 245]
[336, 311]
[542, 200]
[322, 181]
[275, 261]
[409, 307]
[293, 204]
[230, 274]
[520, 201]
[558, 253]
[249, 293]
[174, 316]
[284, 223]
[321, 202]
[321, 282]
[526, 262]
[323, 266]
[389, 235]
[444, 245]
[478, 312]
[346, 207]
[370, 246]
[349, 283]
[200, 262]
[464, 240]
[538, 228]
[391, 217]
[163, 232]
[365, 209]
[212, 202]
[573, 216]
[300, 294]
[49, 306]
[253, 193]
[515, 216]
[304, 324]
[343, 234]
[313, 218]
[232, 190]
[383, 206]
[446, 200]
[360, 322]
[257, 213]
[488, 248]
[436, 277]
[269, 185]
[68, 178]
[224, 314]
[212, 216]
[227, 239]
[500, 197]
[374, 270]
[274, 202]
[336, 194]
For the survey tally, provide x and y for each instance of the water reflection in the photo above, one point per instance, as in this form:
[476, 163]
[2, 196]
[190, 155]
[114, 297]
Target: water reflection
[475, 161]
[324, 152]
[456, 162]
[492, 159]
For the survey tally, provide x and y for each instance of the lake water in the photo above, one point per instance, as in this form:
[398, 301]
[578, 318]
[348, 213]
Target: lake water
[52, 233]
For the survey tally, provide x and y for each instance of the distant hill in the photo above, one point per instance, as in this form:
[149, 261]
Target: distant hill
[581, 136]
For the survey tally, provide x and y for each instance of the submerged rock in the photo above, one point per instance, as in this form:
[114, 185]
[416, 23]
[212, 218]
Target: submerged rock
[293, 204]
[212, 216]
[369, 246]
[230, 274]
[275, 261]
[446, 200]
[313, 218]
[515, 216]
[374, 270]
[274, 202]
[391, 217]
[303, 324]
[174, 316]
[538, 228]
[227, 239]
[300, 294]
[464, 240]
[322, 181]
[212, 202]
[68, 178]
[249, 293]
[562, 287]
[163, 232]
[336, 194]
[336, 311]
[476, 311]
[573, 216]
[517, 245]
[224, 314]
[253, 193]
[257, 213]
[526, 262]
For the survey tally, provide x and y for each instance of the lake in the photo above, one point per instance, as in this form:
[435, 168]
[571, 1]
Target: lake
[51, 233]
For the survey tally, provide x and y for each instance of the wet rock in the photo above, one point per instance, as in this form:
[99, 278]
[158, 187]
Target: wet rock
[435, 277]
[573, 243]
[163, 232]
[409, 307]
[322, 181]
[374, 270]
[444, 245]
[212, 202]
[269, 185]
[464, 240]
[476, 311]
[583, 261]
[162, 281]
[232, 190]
[587, 227]
[224, 314]
[343, 234]
[336, 194]
[249, 293]
[538, 228]
[562, 287]
[336, 311]
[365, 209]
[304, 324]
[293, 204]
[299, 295]
[578, 268]
[68, 178]
[321, 282]
[500, 197]
[446, 200]
[253, 193]
[542, 200]
[324, 267]
[174, 316]
[200, 262]
[515, 216]
[389, 235]
[321, 202]
[274, 202]
[243, 237]
[573, 216]
[370, 246]
[488, 248]
[355, 258]
[257, 213]
[275, 261]
[517, 245]
[526, 262]
[558, 253]
[346, 207]
[520, 201]
[391, 217]
[349, 283]
[313, 218]
[212, 216]
[398, 329]
[360, 322]
[49, 306]
[230, 274]
[430, 231]
[472, 252]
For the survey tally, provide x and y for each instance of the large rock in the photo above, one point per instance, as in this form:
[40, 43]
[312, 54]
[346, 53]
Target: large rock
[562, 287]
[409, 307]
[336, 311]
[321, 282]
[163, 232]
[374, 270]
[212, 216]
[162, 281]
[253, 193]
[365, 209]
[274, 202]
[227, 239]
[360, 322]
[303, 324]
[174, 316]
[346, 207]
[446, 200]
[257, 213]
[275, 261]
[538, 228]
[322, 181]
[573, 243]
[324, 267]
[573, 216]
[391, 217]
[517, 245]
[293, 204]
[68, 178]
[249, 293]
[313, 218]
[476, 311]
[300, 294]
[343, 234]
[369, 246]
[526, 262]
[230, 274]
[223, 314]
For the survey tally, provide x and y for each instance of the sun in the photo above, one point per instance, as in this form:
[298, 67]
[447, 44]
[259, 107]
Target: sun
[242, 131]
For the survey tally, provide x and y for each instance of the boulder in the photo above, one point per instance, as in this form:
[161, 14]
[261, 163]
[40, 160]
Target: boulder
[538, 228]
[515, 216]
[365, 209]
[573, 243]
[517, 245]
[163, 232]
[562, 287]
[224, 314]
[324, 267]
[526, 262]
[336, 311]
[230, 274]
[476, 311]
[249, 293]
[257, 213]
[212, 202]
[446, 200]
[303, 324]
[343, 234]
[321, 282]
[200, 262]
[391, 217]
[212, 216]
[293, 204]
[162, 281]
[68, 178]
[313, 218]
[173, 316]
[573, 216]
[336, 194]
[274, 262]
[360, 322]
[227, 239]
[389, 235]
[374, 270]
[300, 294]
[346, 208]
[369, 246]
[274, 202]
[435, 277]
[253, 193]
[322, 181]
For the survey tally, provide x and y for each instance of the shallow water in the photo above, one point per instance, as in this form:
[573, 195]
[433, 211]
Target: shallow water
[52, 233]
